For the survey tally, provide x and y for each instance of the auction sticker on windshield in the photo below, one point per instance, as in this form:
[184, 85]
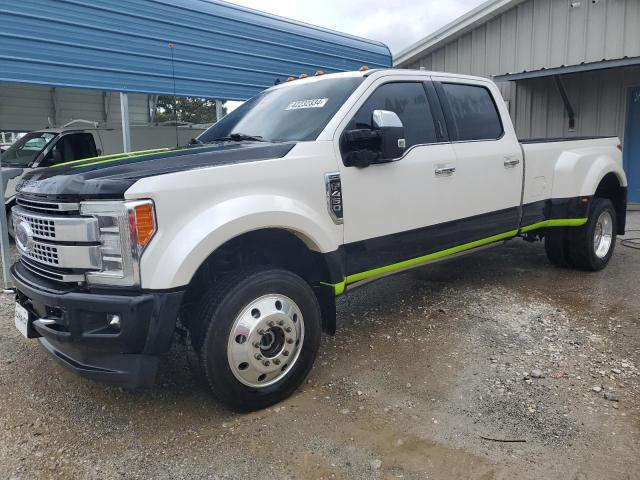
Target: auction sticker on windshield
[311, 103]
[22, 320]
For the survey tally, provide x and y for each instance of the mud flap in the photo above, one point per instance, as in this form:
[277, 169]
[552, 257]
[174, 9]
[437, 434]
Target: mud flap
[327, 299]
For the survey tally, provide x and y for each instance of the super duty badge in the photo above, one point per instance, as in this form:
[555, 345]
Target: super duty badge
[334, 196]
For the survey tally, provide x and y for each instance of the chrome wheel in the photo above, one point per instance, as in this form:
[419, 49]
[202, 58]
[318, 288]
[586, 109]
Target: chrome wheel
[265, 340]
[603, 235]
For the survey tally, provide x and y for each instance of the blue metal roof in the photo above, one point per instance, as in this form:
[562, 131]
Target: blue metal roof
[220, 50]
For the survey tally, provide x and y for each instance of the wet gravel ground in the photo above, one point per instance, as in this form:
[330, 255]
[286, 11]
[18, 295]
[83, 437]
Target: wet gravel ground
[492, 366]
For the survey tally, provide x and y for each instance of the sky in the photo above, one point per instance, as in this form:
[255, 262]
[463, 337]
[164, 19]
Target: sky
[398, 23]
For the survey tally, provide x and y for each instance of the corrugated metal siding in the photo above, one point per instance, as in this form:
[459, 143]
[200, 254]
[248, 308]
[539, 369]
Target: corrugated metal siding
[547, 34]
[26, 107]
[597, 97]
[543, 34]
[221, 50]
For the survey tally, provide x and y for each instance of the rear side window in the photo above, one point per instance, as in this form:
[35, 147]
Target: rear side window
[409, 101]
[475, 115]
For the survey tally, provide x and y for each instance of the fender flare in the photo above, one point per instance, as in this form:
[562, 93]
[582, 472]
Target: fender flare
[204, 233]
[579, 174]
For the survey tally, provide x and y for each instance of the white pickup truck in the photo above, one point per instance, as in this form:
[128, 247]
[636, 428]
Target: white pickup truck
[310, 189]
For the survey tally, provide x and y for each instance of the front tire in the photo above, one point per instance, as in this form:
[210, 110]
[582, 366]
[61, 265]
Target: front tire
[592, 245]
[261, 331]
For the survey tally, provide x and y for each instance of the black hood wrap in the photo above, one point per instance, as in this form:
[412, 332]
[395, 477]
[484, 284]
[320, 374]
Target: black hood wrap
[111, 176]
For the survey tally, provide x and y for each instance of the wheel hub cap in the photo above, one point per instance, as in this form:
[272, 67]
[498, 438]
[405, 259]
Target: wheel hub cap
[603, 235]
[265, 340]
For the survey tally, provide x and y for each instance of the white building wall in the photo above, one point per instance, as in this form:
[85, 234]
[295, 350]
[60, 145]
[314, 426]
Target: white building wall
[539, 34]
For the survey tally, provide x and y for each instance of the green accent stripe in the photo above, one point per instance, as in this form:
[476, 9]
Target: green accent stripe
[556, 222]
[425, 258]
[115, 156]
[340, 287]
[138, 156]
[337, 287]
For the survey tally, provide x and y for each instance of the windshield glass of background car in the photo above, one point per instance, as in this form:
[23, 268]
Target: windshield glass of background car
[25, 150]
[294, 112]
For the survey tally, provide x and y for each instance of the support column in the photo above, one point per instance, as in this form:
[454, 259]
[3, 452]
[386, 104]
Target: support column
[126, 130]
[218, 110]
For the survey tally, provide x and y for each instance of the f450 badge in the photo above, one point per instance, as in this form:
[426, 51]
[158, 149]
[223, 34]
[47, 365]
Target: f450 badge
[334, 196]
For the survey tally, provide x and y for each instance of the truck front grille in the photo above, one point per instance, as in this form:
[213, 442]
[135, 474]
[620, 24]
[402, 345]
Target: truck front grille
[61, 246]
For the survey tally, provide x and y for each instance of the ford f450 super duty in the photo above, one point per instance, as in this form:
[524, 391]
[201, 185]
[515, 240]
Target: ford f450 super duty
[244, 238]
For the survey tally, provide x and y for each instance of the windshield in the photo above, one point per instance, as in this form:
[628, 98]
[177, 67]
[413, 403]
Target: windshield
[25, 150]
[296, 112]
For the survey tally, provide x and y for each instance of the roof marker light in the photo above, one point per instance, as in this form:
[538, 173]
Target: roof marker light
[319, 72]
[303, 75]
[290, 79]
[363, 68]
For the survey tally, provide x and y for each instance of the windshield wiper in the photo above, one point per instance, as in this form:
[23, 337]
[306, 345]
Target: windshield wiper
[239, 137]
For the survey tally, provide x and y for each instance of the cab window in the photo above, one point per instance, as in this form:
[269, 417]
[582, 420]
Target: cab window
[409, 101]
[72, 146]
[475, 116]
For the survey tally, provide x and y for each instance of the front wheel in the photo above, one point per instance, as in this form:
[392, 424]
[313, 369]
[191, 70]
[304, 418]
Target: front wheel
[261, 332]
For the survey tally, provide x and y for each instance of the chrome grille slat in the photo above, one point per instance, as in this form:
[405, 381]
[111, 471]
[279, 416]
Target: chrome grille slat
[58, 228]
[64, 256]
[51, 274]
[46, 206]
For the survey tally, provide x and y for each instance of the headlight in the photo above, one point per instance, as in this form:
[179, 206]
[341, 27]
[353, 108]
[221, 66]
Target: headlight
[125, 229]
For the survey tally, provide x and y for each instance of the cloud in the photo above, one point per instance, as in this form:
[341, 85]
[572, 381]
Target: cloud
[398, 23]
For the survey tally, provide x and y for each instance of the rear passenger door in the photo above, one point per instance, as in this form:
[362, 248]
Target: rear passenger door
[489, 163]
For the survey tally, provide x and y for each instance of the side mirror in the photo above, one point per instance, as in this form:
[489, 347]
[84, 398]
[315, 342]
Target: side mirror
[392, 133]
[382, 143]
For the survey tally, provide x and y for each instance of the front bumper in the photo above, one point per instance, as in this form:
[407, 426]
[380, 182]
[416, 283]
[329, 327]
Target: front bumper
[77, 333]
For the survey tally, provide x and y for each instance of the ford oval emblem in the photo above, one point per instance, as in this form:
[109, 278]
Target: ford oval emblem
[24, 236]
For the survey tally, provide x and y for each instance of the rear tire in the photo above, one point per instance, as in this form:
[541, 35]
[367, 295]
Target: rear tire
[556, 246]
[592, 245]
[259, 330]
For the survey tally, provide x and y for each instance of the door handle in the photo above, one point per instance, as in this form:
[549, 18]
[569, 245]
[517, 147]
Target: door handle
[511, 162]
[445, 171]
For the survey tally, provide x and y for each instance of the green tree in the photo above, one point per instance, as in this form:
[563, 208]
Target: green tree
[186, 109]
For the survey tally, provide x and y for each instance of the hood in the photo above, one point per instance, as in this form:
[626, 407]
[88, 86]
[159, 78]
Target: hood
[111, 176]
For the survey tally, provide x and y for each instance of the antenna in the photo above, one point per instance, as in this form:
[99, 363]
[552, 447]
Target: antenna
[175, 101]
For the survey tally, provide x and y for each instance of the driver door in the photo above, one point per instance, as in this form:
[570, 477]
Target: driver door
[390, 208]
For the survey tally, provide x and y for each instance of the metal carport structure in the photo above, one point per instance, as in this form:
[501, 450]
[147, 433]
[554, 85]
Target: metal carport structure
[197, 48]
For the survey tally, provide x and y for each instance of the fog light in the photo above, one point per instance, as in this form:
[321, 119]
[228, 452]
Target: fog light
[114, 320]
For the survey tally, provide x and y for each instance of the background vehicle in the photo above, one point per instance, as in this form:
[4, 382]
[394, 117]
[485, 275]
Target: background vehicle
[52, 146]
[310, 189]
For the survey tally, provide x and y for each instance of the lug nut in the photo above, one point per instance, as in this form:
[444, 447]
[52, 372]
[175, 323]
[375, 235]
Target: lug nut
[266, 363]
[271, 323]
[256, 344]
[289, 341]
[280, 322]
[276, 361]
[257, 356]
[261, 332]
[288, 329]
[286, 353]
